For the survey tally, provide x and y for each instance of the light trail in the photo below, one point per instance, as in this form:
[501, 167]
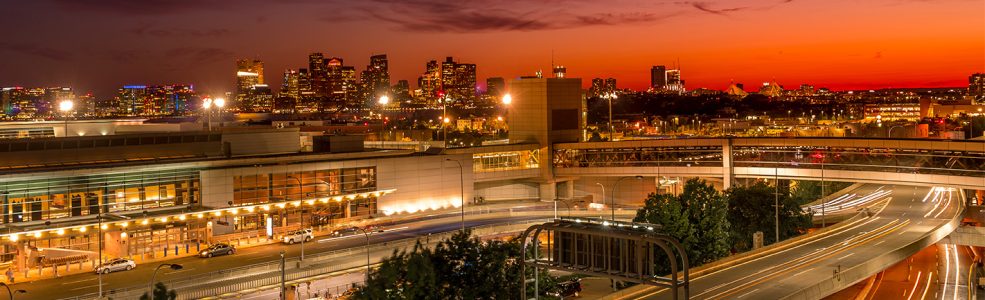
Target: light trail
[916, 283]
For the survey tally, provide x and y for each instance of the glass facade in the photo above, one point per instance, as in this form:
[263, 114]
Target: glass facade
[638, 157]
[268, 188]
[55, 198]
[504, 161]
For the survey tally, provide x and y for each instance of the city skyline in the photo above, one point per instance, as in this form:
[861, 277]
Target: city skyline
[193, 42]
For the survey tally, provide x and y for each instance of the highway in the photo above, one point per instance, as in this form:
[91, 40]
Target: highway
[86, 283]
[940, 271]
[909, 215]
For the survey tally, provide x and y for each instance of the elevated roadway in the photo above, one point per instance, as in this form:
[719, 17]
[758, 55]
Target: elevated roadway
[819, 264]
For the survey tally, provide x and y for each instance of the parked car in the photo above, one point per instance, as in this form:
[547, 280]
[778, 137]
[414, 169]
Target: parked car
[116, 264]
[217, 249]
[298, 236]
[345, 231]
[566, 289]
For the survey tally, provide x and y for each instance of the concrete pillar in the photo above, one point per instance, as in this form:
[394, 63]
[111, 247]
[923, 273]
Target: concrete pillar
[548, 191]
[571, 189]
[727, 172]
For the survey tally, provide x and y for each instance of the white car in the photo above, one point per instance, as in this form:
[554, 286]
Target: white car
[297, 236]
[116, 264]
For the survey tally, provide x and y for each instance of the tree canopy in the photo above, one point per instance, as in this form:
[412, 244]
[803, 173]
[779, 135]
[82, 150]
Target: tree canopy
[696, 218]
[751, 210]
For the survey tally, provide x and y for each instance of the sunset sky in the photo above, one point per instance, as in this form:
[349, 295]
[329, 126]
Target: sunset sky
[840, 44]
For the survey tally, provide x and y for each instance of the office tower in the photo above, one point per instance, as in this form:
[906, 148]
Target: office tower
[610, 85]
[318, 74]
[14, 102]
[806, 90]
[674, 81]
[560, 71]
[248, 74]
[464, 84]
[375, 79]
[307, 100]
[130, 100]
[976, 85]
[173, 100]
[401, 91]
[261, 99]
[430, 83]
[602, 87]
[658, 77]
[289, 86]
[495, 87]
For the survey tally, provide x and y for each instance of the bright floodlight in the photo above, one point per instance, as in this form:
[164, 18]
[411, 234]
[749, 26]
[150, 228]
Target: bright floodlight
[207, 103]
[219, 102]
[384, 100]
[65, 105]
[507, 99]
[447, 120]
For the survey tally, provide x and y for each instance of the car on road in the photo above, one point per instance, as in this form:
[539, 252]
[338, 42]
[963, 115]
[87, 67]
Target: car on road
[345, 231]
[217, 249]
[116, 264]
[566, 289]
[297, 236]
[374, 228]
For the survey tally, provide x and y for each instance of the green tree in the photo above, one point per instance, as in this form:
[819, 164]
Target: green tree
[161, 292]
[807, 191]
[697, 218]
[751, 210]
[460, 267]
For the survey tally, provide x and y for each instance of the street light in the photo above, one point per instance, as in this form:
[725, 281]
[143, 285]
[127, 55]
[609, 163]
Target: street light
[461, 178]
[10, 292]
[603, 193]
[609, 97]
[65, 106]
[384, 100]
[612, 198]
[508, 99]
[150, 286]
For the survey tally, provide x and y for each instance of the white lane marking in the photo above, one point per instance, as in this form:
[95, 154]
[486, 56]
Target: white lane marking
[846, 256]
[746, 294]
[802, 272]
[78, 281]
[84, 287]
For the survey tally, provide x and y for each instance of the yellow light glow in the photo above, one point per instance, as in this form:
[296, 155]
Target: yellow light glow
[249, 209]
[37, 234]
[104, 227]
[234, 211]
[15, 237]
[311, 202]
[182, 217]
[164, 219]
[217, 213]
[200, 215]
[61, 232]
[297, 203]
[82, 229]
[144, 222]
[266, 207]
[124, 224]
[281, 205]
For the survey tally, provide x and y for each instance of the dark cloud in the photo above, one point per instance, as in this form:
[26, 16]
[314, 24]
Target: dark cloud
[705, 7]
[140, 7]
[147, 30]
[483, 16]
[37, 51]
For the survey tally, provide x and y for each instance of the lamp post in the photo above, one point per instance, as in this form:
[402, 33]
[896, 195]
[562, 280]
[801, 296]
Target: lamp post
[612, 198]
[283, 276]
[776, 202]
[301, 212]
[11, 292]
[461, 179]
[65, 106]
[99, 245]
[153, 278]
[609, 97]
[208, 104]
[603, 192]
[384, 100]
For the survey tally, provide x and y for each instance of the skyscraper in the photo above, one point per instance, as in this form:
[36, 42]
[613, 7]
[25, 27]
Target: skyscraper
[130, 100]
[375, 80]
[601, 87]
[976, 86]
[495, 87]
[430, 83]
[318, 74]
[453, 80]
[248, 74]
[290, 86]
[560, 71]
[658, 77]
